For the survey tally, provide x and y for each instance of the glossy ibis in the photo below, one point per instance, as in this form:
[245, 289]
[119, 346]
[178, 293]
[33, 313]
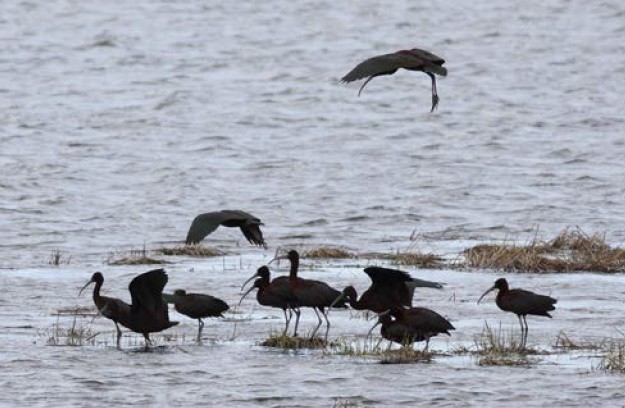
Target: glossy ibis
[205, 224]
[197, 306]
[311, 293]
[412, 325]
[413, 60]
[389, 288]
[274, 293]
[521, 302]
[146, 314]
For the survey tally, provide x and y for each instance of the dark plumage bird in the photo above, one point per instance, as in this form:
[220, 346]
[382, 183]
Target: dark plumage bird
[197, 306]
[146, 314]
[389, 288]
[311, 293]
[413, 60]
[275, 293]
[206, 223]
[412, 325]
[521, 302]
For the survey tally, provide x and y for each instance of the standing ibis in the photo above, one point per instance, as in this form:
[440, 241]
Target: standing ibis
[205, 224]
[197, 306]
[274, 293]
[311, 293]
[146, 314]
[521, 302]
[413, 60]
[412, 325]
[389, 288]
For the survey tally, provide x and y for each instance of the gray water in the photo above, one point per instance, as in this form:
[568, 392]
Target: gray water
[121, 121]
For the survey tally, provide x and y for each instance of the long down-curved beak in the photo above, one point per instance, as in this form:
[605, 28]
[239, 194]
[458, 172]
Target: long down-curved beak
[379, 322]
[486, 293]
[245, 294]
[84, 287]
[337, 300]
[277, 258]
[248, 281]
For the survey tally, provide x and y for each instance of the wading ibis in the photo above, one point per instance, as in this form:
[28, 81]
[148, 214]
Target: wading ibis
[413, 60]
[146, 314]
[521, 302]
[197, 306]
[206, 223]
[311, 293]
[389, 288]
[407, 326]
[274, 293]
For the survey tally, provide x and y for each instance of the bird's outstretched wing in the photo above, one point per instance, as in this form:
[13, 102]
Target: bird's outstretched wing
[385, 64]
[381, 275]
[146, 291]
[206, 223]
[203, 225]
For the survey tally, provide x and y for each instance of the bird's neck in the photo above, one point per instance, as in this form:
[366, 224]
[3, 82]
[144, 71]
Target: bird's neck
[96, 293]
[294, 268]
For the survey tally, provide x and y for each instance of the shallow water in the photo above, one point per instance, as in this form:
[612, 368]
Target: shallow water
[122, 121]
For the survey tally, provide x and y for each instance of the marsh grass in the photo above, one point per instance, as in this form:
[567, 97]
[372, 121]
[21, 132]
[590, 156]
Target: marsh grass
[190, 250]
[328, 252]
[564, 342]
[370, 348]
[501, 348]
[133, 257]
[294, 343]
[56, 258]
[76, 335]
[569, 251]
[613, 358]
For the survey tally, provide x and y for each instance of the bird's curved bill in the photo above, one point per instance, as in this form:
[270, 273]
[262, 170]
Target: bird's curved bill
[248, 281]
[277, 258]
[85, 287]
[337, 300]
[486, 293]
[245, 294]
[372, 328]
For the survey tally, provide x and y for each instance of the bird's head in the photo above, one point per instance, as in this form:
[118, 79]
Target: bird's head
[96, 278]
[180, 292]
[350, 293]
[262, 273]
[500, 284]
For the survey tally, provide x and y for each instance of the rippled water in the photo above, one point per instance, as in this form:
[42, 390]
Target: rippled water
[121, 121]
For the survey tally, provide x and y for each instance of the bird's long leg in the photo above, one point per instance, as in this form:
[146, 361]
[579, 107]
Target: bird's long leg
[199, 330]
[147, 341]
[522, 345]
[287, 318]
[325, 315]
[312, 336]
[526, 330]
[119, 335]
[297, 313]
[434, 92]
[366, 82]
[427, 344]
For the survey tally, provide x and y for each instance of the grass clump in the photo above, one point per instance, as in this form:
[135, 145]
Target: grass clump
[56, 258]
[327, 252]
[190, 250]
[134, 257]
[613, 359]
[569, 251]
[286, 342]
[564, 342]
[501, 349]
[75, 335]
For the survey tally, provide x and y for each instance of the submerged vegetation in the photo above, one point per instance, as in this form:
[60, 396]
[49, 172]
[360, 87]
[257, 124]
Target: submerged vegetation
[294, 342]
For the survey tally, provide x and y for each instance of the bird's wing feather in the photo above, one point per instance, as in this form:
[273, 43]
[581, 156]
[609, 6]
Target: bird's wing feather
[253, 234]
[146, 290]
[381, 65]
[381, 275]
[203, 225]
[201, 305]
[525, 302]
